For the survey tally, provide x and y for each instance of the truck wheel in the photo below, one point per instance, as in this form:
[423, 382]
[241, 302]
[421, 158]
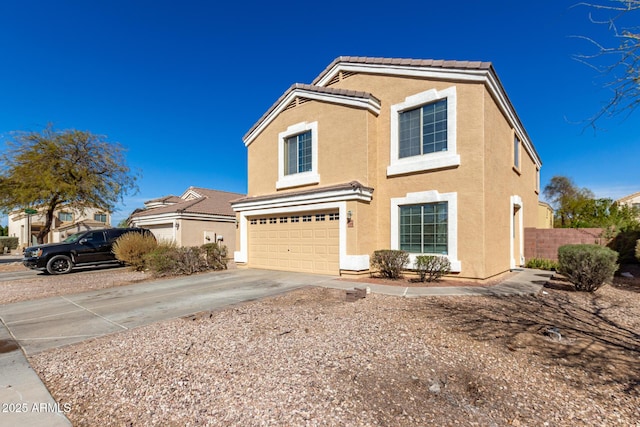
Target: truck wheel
[59, 264]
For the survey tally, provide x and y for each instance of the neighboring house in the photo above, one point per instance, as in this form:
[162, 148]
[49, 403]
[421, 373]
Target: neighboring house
[197, 217]
[66, 221]
[420, 155]
[632, 200]
[545, 215]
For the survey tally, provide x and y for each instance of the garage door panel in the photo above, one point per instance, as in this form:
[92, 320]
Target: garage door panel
[310, 244]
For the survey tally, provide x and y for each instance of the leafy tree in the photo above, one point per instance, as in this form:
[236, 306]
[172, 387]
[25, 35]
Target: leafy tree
[4, 231]
[578, 208]
[619, 60]
[567, 199]
[49, 169]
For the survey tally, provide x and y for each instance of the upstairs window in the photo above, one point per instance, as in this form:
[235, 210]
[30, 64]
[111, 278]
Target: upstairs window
[423, 130]
[516, 152]
[423, 134]
[298, 156]
[65, 216]
[100, 217]
[297, 153]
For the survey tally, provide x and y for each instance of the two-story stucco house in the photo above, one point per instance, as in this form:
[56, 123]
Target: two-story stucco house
[66, 221]
[421, 155]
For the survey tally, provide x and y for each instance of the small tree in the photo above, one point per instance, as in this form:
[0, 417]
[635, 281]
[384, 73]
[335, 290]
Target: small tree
[49, 169]
[638, 250]
[587, 267]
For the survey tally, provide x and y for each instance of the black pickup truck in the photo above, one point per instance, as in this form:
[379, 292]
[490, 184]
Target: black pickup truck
[86, 248]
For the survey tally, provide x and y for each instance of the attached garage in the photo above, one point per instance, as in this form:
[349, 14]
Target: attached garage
[305, 242]
[162, 232]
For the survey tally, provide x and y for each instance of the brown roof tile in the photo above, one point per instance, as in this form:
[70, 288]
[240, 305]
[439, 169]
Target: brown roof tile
[212, 202]
[311, 88]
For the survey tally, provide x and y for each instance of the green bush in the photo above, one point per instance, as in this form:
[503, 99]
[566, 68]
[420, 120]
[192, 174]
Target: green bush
[638, 250]
[625, 244]
[132, 248]
[8, 242]
[432, 267]
[542, 264]
[587, 266]
[390, 263]
[215, 256]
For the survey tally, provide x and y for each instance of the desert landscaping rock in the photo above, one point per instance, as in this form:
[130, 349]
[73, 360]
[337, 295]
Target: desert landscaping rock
[311, 358]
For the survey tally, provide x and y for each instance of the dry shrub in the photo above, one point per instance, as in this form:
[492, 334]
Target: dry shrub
[131, 248]
[390, 263]
[588, 267]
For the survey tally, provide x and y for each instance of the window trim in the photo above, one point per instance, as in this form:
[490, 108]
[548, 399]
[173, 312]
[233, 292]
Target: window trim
[421, 198]
[429, 161]
[301, 178]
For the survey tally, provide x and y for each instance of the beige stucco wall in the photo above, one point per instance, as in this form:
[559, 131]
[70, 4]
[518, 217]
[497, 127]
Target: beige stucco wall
[545, 216]
[192, 233]
[342, 146]
[354, 144]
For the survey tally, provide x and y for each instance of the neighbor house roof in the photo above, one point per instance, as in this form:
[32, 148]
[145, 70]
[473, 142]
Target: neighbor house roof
[629, 197]
[209, 202]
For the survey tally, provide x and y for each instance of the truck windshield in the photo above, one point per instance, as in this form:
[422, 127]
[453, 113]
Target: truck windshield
[73, 238]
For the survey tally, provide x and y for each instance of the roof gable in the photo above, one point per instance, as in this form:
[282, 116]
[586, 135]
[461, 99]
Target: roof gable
[195, 200]
[350, 98]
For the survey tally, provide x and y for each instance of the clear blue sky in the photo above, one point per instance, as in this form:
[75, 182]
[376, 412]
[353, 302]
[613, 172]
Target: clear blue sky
[180, 82]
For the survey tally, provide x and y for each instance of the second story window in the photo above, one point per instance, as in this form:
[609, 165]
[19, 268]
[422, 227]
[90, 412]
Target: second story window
[100, 217]
[65, 216]
[516, 152]
[297, 153]
[423, 134]
[423, 130]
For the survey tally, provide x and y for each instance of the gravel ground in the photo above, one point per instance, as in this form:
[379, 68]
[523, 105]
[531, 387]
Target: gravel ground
[43, 286]
[310, 358]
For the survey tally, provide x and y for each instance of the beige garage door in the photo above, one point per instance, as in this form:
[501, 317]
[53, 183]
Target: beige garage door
[306, 242]
[162, 233]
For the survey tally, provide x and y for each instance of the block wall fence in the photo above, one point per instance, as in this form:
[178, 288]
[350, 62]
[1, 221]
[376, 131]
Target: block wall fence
[544, 242]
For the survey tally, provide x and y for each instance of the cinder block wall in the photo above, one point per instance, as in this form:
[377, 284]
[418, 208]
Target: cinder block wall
[544, 242]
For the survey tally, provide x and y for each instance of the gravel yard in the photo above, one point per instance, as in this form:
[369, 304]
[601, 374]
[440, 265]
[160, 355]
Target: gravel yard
[310, 358]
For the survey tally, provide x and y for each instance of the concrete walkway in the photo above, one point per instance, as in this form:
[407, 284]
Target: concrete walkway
[32, 326]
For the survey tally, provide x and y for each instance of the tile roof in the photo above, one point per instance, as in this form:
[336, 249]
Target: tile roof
[427, 63]
[165, 199]
[212, 202]
[314, 89]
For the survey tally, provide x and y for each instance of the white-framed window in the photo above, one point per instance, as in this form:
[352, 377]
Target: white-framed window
[424, 229]
[423, 132]
[298, 155]
[426, 223]
[100, 217]
[65, 216]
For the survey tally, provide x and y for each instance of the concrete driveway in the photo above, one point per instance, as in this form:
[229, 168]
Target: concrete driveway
[53, 322]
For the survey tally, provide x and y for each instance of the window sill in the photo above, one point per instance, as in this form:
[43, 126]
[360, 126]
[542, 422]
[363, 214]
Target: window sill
[456, 265]
[297, 180]
[423, 163]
